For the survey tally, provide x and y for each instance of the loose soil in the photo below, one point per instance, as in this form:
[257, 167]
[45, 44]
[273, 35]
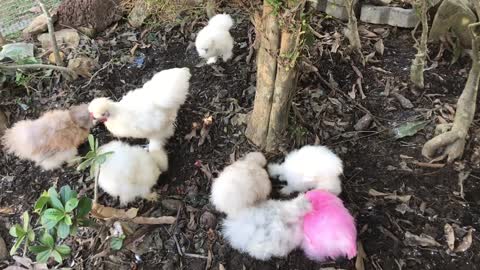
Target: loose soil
[373, 159]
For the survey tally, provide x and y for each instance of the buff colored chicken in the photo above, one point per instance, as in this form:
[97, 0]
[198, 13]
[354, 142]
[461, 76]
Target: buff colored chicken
[50, 140]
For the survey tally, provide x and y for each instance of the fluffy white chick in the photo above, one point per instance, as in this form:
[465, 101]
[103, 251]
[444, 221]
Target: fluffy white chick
[310, 167]
[273, 228]
[241, 184]
[214, 40]
[128, 172]
[148, 112]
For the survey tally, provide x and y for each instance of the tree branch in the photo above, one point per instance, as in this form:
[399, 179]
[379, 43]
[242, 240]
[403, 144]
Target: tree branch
[51, 31]
[42, 66]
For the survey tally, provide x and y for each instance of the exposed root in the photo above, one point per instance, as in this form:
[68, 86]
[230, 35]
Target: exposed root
[451, 144]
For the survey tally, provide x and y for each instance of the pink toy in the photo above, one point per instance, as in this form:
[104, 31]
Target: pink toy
[329, 229]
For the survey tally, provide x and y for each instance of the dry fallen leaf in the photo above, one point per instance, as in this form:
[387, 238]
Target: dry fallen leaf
[379, 47]
[361, 256]
[449, 236]
[207, 123]
[6, 211]
[82, 65]
[375, 193]
[193, 133]
[466, 242]
[420, 240]
[154, 220]
[104, 212]
[51, 57]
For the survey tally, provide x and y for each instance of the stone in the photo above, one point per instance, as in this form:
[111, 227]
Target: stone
[37, 26]
[335, 8]
[96, 14]
[82, 65]
[394, 16]
[68, 37]
[138, 14]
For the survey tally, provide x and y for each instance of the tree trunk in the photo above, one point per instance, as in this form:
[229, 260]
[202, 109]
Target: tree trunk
[257, 128]
[285, 84]
[276, 77]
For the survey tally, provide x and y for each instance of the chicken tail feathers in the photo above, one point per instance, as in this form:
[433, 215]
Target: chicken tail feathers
[170, 87]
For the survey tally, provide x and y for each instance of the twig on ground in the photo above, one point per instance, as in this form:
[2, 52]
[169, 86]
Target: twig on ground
[51, 31]
[68, 71]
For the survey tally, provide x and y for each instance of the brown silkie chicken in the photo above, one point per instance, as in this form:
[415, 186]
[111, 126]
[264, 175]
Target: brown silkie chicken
[50, 140]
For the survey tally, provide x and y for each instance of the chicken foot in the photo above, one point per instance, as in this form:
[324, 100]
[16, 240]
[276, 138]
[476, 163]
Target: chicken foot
[451, 144]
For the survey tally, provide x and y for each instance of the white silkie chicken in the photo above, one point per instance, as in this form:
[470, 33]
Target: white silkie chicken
[215, 40]
[310, 167]
[130, 172]
[148, 112]
[246, 176]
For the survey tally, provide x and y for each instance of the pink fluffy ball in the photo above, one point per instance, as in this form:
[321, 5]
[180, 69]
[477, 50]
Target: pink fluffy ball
[329, 229]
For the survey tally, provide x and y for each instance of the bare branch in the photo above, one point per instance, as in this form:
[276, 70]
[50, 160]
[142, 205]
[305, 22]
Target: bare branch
[51, 31]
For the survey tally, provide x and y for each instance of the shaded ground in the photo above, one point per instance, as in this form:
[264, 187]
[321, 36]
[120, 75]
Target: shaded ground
[373, 160]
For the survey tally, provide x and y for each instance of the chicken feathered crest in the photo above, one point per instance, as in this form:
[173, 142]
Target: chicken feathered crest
[50, 140]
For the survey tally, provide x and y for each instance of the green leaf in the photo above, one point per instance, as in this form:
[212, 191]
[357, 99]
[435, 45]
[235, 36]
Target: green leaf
[68, 220]
[56, 255]
[63, 230]
[85, 164]
[41, 202]
[71, 205]
[51, 217]
[17, 245]
[17, 231]
[43, 256]
[409, 129]
[17, 51]
[91, 142]
[31, 235]
[47, 240]
[66, 193]
[64, 250]
[116, 243]
[84, 207]
[26, 221]
[73, 230]
[38, 249]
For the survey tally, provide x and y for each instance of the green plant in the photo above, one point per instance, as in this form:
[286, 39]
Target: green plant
[23, 233]
[93, 160]
[61, 213]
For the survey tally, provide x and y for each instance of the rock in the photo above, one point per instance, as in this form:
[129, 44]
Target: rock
[68, 37]
[335, 8]
[394, 16]
[380, 2]
[171, 205]
[96, 14]
[3, 249]
[82, 65]
[208, 220]
[51, 57]
[89, 32]
[138, 14]
[38, 25]
[3, 122]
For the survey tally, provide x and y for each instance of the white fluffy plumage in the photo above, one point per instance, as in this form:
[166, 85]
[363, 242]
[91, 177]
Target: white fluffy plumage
[215, 40]
[129, 172]
[271, 229]
[241, 184]
[148, 112]
[310, 167]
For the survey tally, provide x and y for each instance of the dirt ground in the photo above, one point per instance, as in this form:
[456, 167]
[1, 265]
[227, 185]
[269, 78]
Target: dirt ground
[324, 111]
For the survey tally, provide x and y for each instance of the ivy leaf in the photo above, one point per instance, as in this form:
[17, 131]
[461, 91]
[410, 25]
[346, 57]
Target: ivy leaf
[63, 230]
[71, 205]
[84, 207]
